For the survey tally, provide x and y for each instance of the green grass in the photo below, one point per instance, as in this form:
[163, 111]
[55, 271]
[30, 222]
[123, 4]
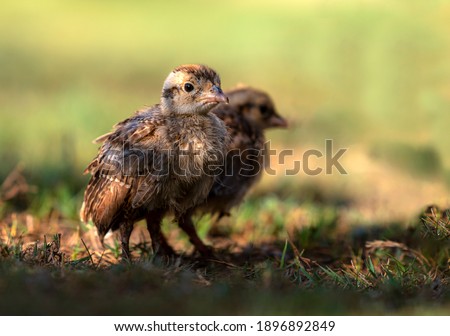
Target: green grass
[325, 268]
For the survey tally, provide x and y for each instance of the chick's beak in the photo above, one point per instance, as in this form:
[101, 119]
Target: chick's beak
[277, 121]
[215, 95]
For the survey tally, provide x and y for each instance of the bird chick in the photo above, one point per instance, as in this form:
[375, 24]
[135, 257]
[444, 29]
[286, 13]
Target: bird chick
[249, 113]
[159, 161]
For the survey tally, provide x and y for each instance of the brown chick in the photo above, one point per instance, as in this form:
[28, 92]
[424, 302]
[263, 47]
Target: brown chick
[159, 161]
[249, 113]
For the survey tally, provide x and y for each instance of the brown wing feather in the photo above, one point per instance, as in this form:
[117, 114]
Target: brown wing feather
[103, 200]
[118, 170]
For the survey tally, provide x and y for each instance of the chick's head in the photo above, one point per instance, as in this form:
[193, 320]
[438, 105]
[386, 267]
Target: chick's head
[192, 89]
[256, 106]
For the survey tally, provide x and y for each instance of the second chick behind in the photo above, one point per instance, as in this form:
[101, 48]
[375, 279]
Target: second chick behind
[249, 113]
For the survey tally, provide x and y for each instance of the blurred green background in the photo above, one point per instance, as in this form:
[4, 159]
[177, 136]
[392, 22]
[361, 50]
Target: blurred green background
[374, 76]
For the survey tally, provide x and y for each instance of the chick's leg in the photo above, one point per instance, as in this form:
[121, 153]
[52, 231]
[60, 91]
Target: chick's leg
[125, 233]
[186, 224]
[159, 242]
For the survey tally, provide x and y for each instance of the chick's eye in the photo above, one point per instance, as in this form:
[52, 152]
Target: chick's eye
[188, 87]
[265, 111]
